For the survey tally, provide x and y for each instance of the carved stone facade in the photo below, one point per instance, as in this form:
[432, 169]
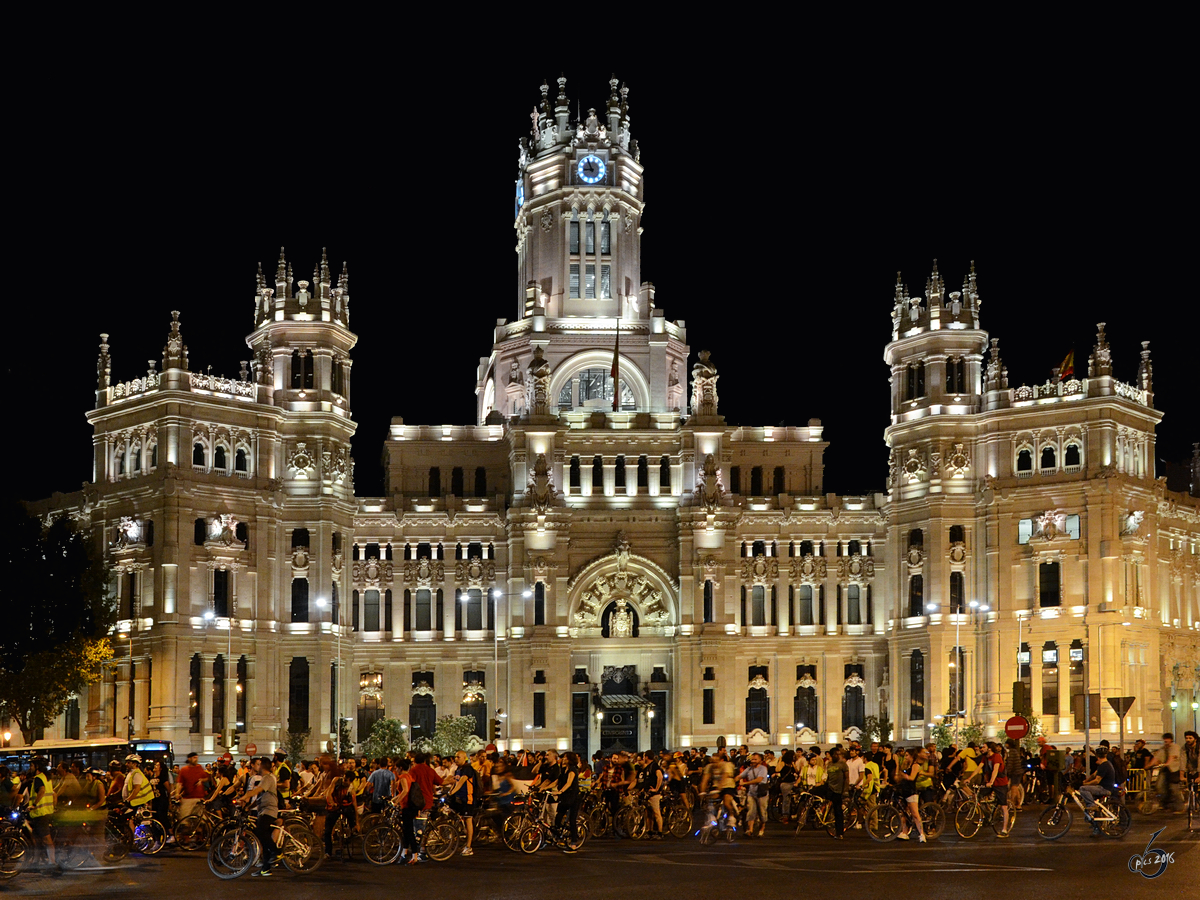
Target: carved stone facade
[595, 539]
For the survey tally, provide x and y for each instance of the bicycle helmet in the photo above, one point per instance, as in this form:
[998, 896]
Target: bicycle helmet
[133, 758]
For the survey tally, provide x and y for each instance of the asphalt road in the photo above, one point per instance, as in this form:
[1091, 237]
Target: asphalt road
[779, 865]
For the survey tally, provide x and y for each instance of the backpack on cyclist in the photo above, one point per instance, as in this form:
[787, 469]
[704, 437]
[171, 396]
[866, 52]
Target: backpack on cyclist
[416, 797]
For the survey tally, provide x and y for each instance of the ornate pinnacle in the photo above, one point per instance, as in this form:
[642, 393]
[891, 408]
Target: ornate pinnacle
[345, 279]
[899, 287]
[103, 364]
[259, 285]
[562, 90]
[281, 270]
[1146, 369]
[324, 267]
[935, 286]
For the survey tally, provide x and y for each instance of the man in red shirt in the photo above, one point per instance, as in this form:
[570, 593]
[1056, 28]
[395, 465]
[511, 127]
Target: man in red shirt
[116, 783]
[997, 779]
[192, 780]
[426, 781]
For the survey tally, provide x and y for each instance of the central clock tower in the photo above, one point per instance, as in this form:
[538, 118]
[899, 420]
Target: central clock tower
[579, 210]
[583, 314]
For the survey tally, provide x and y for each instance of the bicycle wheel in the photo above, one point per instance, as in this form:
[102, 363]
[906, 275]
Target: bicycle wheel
[532, 838]
[381, 845]
[883, 823]
[581, 835]
[933, 819]
[802, 812]
[69, 853]
[232, 853]
[599, 821]
[441, 842]
[968, 819]
[1192, 811]
[623, 822]
[680, 823]
[510, 831]
[149, 837]
[192, 833]
[998, 821]
[853, 816]
[1120, 827]
[12, 856]
[302, 852]
[116, 847]
[639, 823]
[1054, 822]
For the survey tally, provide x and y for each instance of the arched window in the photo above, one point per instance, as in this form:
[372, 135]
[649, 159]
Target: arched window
[456, 481]
[854, 548]
[805, 705]
[1048, 458]
[1072, 457]
[575, 477]
[709, 608]
[643, 473]
[916, 687]
[120, 461]
[759, 548]
[597, 475]
[241, 463]
[197, 454]
[957, 534]
[199, 532]
[154, 456]
[778, 486]
[480, 481]
[219, 461]
[916, 596]
[135, 459]
[435, 481]
[664, 475]
[620, 473]
[916, 539]
[735, 479]
[806, 548]
[758, 705]
[1025, 461]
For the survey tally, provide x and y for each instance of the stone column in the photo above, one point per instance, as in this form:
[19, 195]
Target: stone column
[449, 601]
[206, 692]
[1064, 687]
[783, 607]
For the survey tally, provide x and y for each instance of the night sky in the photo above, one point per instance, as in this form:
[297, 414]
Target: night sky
[779, 208]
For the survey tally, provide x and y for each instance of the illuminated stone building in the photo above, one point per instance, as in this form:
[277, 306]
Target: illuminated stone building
[632, 571]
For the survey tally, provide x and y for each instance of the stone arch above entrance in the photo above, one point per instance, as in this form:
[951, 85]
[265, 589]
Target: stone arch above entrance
[620, 575]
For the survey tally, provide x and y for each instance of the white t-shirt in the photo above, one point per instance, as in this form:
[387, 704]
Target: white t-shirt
[856, 767]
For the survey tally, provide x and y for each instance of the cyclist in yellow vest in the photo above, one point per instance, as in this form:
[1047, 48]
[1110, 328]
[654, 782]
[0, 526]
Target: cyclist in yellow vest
[41, 805]
[137, 791]
[283, 778]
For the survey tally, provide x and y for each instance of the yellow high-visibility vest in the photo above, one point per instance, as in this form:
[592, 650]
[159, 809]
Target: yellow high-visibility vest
[283, 780]
[44, 806]
[144, 793]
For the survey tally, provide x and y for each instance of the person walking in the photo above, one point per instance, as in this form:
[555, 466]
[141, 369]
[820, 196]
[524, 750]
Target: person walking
[757, 778]
[837, 783]
[418, 801]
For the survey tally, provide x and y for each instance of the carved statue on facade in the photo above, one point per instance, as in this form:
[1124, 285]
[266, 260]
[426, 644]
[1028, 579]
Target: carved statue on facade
[674, 388]
[539, 384]
[1131, 521]
[704, 387]
[620, 623]
[541, 487]
[709, 489]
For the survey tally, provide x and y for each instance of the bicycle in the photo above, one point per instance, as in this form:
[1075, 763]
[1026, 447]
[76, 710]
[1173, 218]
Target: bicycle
[1193, 799]
[444, 832]
[194, 832]
[718, 821]
[885, 818]
[128, 830]
[538, 832]
[974, 813]
[1112, 819]
[235, 848]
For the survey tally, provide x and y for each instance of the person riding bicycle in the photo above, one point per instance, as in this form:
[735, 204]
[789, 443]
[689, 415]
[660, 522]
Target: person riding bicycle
[997, 779]
[756, 776]
[266, 807]
[567, 793]
[651, 780]
[283, 778]
[907, 772]
[41, 805]
[1103, 781]
[718, 775]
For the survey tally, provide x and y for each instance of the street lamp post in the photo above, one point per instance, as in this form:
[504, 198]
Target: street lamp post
[335, 622]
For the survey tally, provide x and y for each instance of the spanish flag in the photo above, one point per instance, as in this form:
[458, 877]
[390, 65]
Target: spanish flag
[616, 369]
[1068, 365]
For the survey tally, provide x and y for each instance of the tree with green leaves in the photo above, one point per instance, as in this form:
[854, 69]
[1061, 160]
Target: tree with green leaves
[877, 728]
[295, 743]
[345, 744]
[58, 614]
[453, 733]
[388, 737]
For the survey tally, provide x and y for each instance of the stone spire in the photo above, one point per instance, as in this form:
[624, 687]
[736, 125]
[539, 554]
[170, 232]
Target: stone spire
[614, 108]
[1100, 362]
[971, 291]
[175, 353]
[1146, 370]
[934, 287]
[344, 278]
[261, 283]
[562, 107]
[996, 378]
[324, 279]
[103, 364]
[281, 270]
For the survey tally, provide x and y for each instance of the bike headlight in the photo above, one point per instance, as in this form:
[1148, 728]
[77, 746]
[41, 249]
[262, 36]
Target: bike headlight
[14, 815]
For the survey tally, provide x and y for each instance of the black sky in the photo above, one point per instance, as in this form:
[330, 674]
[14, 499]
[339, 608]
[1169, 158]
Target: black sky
[778, 212]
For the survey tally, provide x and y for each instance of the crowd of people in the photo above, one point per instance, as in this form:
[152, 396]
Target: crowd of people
[745, 781]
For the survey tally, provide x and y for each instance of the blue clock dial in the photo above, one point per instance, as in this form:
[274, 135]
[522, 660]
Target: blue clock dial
[591, 169]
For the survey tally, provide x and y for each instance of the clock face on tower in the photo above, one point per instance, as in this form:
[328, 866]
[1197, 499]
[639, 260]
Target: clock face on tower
[591, 169]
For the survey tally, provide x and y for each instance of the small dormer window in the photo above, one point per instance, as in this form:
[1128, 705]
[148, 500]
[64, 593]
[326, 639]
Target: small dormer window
[198, 454]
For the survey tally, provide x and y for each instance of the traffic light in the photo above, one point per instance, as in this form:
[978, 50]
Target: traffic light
[493, 731]
[1022, 702]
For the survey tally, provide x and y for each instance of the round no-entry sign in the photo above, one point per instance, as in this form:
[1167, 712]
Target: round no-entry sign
[1016, 727]
[228, 757]
[251, 749]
